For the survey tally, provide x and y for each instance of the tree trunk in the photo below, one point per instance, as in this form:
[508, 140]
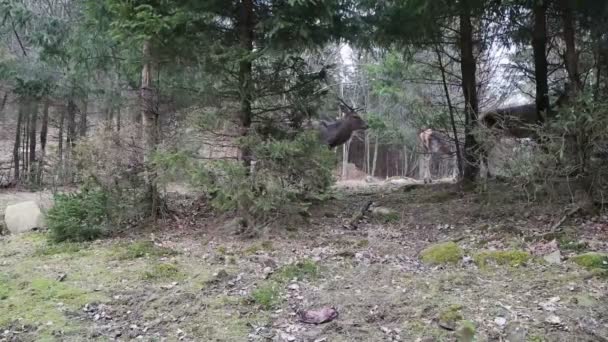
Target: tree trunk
[149, 116]
[26, 141]
[539, 44]
[71, 124]
[32, 141]
[245, 27]
[571, 57]
[17, 146]
[2, 105]
[367, 154]
[451, 111]
[43, 138]
[83, 118]
[469, 90]
[117, 116]
[60, 136]
[406, 165]
[375, 155]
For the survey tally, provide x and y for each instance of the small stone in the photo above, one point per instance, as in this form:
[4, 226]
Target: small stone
[500, 321]
[550, 305]
[554, 257]
[385, 330]
[293, 287]
[515, 332]
[553, 319]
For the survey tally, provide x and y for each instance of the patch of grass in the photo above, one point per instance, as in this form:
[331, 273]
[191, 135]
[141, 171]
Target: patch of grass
[466, 332]
[164, 272]
[362, 243]
[439, 197]
[386, 215]
[140, 249]
[264, 246]
[222, 250]
[391, 217]
[4, 290]
[37, 302]
[535, 338]
[592, 261]
[58, 248]
[511, 258]
[442, 253]
[305, 269]
[268, 295]
[568, 244]
[451, 314]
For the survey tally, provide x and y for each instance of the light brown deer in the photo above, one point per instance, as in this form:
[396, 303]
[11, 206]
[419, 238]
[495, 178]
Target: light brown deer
[434, 144]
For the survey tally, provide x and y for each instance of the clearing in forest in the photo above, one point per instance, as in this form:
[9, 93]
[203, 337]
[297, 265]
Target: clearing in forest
[426, 263]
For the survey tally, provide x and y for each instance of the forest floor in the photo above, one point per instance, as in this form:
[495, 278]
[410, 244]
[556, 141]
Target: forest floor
[192, 279]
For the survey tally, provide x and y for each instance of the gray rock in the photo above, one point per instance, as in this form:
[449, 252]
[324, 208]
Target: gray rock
[23, 217]
[516, 332]
[554, 257]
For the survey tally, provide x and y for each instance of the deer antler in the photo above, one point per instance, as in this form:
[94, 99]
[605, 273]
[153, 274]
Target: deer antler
[349, 107]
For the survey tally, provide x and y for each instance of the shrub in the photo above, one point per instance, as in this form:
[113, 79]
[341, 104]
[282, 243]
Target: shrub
[78, 217]
[287, 177]
[112, 161]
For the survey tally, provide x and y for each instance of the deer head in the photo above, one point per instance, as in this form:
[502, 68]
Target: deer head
[337, 133]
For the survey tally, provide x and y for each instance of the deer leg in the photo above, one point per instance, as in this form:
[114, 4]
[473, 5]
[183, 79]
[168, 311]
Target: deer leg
[427, 169]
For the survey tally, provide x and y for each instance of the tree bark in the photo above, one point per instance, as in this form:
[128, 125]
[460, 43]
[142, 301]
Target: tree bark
[245, 27]
[43, 138]
[71, 124]
[17, 146]
[406, 165]
[469, 90]
[32, 140]
[60, 136]
[2, 105]
[539, 44]
[375, 155]
[451, 111]
[26, 140]
[571, 57]
[83, 118]
[149, 116]
[117, 119]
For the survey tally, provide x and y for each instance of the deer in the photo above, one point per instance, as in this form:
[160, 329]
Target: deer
[516, 122]
[340, 131]
[433, 144]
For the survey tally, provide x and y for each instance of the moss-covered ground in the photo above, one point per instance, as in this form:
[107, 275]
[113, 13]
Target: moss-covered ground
[452, 267]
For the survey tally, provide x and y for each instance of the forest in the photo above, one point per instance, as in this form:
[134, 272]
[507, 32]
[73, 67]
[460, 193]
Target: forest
[303, 170]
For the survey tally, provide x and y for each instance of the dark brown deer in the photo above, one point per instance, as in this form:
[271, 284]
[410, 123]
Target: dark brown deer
[340, 131]
[434, 144]
[516, 122]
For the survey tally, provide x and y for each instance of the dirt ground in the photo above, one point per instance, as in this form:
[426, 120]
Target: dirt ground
[192, 279]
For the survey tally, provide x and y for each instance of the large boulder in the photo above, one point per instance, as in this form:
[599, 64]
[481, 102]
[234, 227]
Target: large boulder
[23, 217]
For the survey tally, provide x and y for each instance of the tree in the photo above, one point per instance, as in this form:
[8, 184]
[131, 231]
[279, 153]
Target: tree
[469, 90]
[539, 45]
